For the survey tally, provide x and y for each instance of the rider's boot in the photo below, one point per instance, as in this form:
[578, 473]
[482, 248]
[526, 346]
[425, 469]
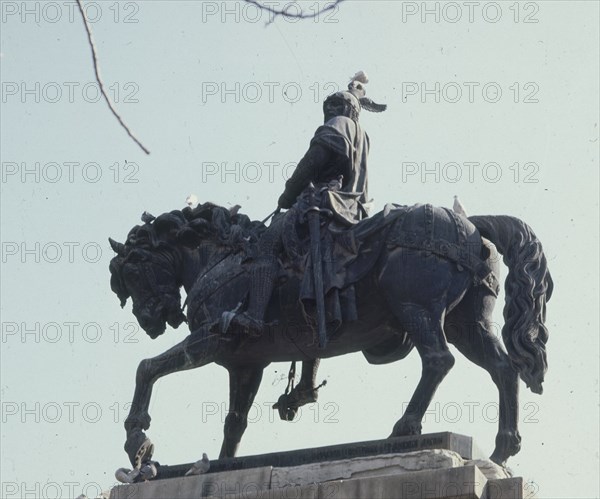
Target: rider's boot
[263, 275]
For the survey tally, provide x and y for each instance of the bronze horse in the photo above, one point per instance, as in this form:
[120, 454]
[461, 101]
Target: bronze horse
[432, 282]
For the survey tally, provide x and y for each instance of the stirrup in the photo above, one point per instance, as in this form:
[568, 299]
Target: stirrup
[242, 322]
[222, 325]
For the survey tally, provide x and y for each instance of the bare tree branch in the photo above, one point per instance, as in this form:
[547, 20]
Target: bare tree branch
[285, 12]
[99, 80]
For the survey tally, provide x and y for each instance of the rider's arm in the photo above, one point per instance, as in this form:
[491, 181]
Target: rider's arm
[317, 157]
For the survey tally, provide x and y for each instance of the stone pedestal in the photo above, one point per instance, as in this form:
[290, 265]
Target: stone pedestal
[405, 467]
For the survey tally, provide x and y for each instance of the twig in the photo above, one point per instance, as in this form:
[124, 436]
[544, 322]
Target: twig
[99, 80]
[295, 15]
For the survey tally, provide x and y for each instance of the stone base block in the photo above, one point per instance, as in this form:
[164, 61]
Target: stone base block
[242, 483]
[429, 473]
[461, 444]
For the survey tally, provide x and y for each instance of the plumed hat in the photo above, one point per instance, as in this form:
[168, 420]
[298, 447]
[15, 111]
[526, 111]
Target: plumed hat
[355, 96]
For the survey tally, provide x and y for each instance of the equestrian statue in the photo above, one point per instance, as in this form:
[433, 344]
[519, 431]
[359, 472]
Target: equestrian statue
[326, 279]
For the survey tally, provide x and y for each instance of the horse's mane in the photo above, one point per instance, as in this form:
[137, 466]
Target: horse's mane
[191, 226]
[188, 227]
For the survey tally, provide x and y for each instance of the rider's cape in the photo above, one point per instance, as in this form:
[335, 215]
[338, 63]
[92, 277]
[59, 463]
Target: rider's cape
[349, 204]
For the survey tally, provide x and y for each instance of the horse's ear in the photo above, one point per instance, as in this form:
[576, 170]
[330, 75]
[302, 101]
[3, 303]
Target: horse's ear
[118, 248]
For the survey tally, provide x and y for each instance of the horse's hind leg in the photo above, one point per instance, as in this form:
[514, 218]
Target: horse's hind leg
[243, 386]
[468, 327]
[190, 353]
[425, 330]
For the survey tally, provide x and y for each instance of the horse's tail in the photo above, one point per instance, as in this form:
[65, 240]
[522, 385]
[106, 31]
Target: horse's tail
[528, 287]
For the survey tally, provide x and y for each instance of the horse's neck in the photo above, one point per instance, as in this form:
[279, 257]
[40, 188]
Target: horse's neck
[199, 261]
[190, 269]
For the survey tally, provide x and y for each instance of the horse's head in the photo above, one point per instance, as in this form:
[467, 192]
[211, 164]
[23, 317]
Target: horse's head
[145, 269]
[159, 255]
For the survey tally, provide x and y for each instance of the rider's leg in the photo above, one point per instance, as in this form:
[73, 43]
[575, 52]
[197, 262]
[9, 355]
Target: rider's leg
[262, 279]
[263, 274]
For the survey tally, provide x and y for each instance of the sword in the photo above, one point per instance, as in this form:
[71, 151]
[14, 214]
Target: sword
[314, 226]
[273, 213]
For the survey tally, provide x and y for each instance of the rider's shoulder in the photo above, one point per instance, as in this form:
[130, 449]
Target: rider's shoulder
[338, 125]
[339, 121]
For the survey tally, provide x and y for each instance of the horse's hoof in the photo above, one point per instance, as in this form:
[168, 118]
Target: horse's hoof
[144, 453]
[508, 443]
[406, 428]
[139, 448]
[498, 460]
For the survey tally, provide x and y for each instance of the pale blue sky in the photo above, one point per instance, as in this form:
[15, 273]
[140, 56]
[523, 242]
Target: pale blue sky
[169, 72]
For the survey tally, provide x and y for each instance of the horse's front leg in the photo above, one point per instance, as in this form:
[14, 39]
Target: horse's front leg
[194, 351]
[243, 386]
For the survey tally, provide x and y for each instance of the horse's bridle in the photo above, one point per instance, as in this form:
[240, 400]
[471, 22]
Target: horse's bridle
[150, 282]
